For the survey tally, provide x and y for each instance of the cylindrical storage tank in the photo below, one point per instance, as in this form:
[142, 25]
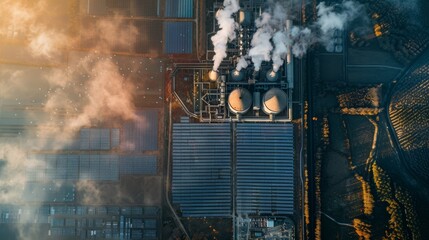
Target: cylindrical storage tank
[213, 75]
[245, 18]
[274, 101]
[256, 101]
[236, 75]
[272, 75]
[239, 101]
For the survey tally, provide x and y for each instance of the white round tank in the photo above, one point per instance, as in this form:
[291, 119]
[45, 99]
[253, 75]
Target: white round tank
[274, 101]
[239, 101]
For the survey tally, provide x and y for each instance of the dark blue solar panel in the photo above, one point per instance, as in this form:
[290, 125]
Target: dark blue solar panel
[202, 169]
[178, 37]
[138, 165]
[179, 8]
[115, 136]
[265, 168]
[142, 133]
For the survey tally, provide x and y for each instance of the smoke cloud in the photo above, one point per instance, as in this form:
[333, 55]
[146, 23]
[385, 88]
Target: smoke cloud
[261, 44]
[86, 92]
[226, 32]
[272, 41]
[302, 38]
[32, 21]
[335, 17]
[242, 63]
[282, 44]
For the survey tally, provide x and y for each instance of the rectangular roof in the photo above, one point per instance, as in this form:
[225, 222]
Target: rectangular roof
[178, 37]
[204, 158]
[264, 168]
[202, 169]
[179, 8]
[141, 134]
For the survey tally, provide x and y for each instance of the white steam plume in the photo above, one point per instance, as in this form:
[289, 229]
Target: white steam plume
[242, 63]
[226, 32]
[282, 43]
[261, 44]
[271, 23]
[302, 39]
[281, 39]
[331, 18]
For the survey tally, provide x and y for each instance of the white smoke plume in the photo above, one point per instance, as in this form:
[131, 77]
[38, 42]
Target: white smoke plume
[271, 23]
[282, 44]
[242, 63]
[226, 33]
[271, 29]
[281, 38]
[335, 17]
[261, 44]
[302, 39]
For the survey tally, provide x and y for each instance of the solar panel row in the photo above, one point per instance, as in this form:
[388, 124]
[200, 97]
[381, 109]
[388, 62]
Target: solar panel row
[45, 167]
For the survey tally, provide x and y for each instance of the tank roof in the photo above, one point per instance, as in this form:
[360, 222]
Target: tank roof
[239, 100]
[274, 101]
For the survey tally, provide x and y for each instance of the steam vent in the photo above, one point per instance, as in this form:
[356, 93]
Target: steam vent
[274, 101]
[237, 75]
[239, 101]
[213, 75]
[272, 75]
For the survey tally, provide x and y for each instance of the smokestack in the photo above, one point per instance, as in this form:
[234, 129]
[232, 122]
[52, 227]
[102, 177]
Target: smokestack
[288, 51]
[213, 75]
[237, 75]
[272, 75]
[226, 32]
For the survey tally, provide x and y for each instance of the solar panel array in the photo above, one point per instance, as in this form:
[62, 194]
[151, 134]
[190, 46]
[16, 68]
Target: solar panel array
[264, 168]
[70, 221]
[138, 165]
[202, 169]
[99, 167]
[98, 138]
[142, 133]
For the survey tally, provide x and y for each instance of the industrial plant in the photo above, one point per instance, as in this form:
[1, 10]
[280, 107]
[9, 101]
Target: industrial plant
[233, 149]
[235, 89]
[214, 119]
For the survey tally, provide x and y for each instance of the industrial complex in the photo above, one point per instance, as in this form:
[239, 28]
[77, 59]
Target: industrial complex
[233, 150]
[212, 119]
[198, 143]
